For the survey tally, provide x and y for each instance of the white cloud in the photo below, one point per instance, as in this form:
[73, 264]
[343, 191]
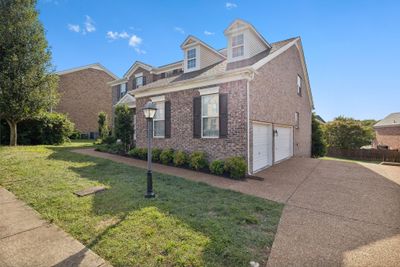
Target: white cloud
[229, 5]
[134, 41]
[74, 28]
[179, 29]
[208, 32]
[140, 51]
[89, 24]
[117, 35]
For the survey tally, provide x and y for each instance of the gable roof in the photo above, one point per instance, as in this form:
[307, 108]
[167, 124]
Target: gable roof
[236, 23]
[192, 39]
[136, 65]
[128, 100]
[96, 66]
[391, 120]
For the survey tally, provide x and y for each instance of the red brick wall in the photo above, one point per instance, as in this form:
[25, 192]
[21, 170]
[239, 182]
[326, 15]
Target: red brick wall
[83, 94]
[389, 136]
[182, 123]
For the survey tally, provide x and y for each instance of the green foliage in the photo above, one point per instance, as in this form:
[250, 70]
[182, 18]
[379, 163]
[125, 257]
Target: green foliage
[75, 135]
[180, 158]
[198, 160]
[28, 84]
[347, 133]
[137, 152]
[109, 140]
[236, 167]
[113, 148]
[167, 156]
[104, 130]
[123, 125]
[155, 154]
[217, 167]
[318, 144]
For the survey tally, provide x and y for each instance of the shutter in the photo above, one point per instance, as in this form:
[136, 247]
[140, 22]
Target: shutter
[167, 106]
[197, 117]
[119, 92]
[144, 80]
[223, 115]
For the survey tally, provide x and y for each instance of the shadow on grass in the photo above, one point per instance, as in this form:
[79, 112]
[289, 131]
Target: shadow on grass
[188, 223]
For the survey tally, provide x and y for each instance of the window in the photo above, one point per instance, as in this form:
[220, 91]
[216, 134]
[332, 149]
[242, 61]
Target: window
[191, 58]
[122, 90]
[299, 84]
[139, 81]
[159, 120]
[210, 115]
[296, 120]
[238, 45]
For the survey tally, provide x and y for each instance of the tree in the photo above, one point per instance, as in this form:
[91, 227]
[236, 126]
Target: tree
[347, 133]
[27, 84]
[104, 130]
[123, 124]
[318, 147]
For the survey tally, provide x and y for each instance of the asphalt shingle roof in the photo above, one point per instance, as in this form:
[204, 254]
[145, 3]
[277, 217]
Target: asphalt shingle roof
[390, 120]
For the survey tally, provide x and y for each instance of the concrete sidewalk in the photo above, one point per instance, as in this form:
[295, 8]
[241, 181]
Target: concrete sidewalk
[27, 240]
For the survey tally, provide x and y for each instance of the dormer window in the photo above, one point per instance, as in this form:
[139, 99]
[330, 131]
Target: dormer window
[140, 80]
[191, 58]
[238, 45]
[122, 89]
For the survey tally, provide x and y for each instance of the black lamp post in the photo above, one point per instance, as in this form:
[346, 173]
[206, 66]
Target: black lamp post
[149, 110]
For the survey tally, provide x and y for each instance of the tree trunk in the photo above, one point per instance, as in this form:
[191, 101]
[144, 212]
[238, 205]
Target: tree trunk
[13, 132]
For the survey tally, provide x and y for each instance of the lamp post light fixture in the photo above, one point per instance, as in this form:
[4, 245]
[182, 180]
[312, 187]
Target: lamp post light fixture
[149, 110]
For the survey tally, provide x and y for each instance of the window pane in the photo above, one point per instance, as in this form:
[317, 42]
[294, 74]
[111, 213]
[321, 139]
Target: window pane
[237, 40]
[191, 63]
[210, 127]
[159, 128]
[160, 111]
[210, 105]
[191, 53]
[139, 81]
[238, 51]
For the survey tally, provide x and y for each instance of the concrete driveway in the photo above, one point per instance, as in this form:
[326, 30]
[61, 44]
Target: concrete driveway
[337, 213]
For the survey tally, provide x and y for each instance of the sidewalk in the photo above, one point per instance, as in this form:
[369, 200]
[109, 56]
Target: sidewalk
[27, 240]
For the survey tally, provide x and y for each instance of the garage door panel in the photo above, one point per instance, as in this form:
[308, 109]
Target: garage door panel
[283, 143]
[262, 146]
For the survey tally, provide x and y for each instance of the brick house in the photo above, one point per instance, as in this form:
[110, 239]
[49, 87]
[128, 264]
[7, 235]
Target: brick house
[388, 132]
[250, 99]
[84, 92]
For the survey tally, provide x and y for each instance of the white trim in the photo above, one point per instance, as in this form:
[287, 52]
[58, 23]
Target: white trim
[198, 41]
[192, 84]
[96, 66]
[140, 74]
[163, 119]
[196, 58]
[209, 91]
[158, 98]
[248, 128]
[135, 66]
[117, 82]
[228, 30]
[127, 99]
[202, 117]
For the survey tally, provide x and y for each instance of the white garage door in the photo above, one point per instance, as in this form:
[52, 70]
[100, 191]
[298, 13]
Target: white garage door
[262, 146]
[283, 143]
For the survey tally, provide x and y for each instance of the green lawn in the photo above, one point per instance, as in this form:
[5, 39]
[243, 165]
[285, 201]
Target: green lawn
[188, 224]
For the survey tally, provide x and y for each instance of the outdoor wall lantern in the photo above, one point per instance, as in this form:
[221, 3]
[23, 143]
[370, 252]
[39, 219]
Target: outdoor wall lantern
[149, 110]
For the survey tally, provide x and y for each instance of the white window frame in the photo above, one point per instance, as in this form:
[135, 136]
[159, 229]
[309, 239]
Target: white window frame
[299, 85]
[237, 46]
[192, 58]
[163, 119]
[120, 91]
[297, 120]
[136, 83]
[202, 117]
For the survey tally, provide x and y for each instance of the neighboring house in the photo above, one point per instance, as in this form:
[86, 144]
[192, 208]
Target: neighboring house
[320, 119]
[388, 132]
[84, 92]
[251, 99]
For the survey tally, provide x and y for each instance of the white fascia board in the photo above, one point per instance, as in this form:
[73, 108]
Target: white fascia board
[209, 91]
[96, 66]
[117, 82]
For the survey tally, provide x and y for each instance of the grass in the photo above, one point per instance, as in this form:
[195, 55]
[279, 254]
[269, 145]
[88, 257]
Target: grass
[188, 224]
[350, 160]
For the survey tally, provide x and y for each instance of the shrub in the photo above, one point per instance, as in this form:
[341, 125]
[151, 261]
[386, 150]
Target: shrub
[123, 124]
[113, 149]
[109, 140]
[102, 121]
[155, 154]
[217, 167]
[166, 156]
[318, 144]
[180, 158]
[75, 135]
[139, 153]
[198, 160]
[235, 167]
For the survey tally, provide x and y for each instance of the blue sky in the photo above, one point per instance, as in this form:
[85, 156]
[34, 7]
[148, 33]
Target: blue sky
[351, 47]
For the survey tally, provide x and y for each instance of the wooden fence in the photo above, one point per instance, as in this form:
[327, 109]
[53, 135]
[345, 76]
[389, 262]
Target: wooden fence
[365, 154]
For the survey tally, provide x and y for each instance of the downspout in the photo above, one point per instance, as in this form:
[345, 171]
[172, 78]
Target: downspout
[249, 172]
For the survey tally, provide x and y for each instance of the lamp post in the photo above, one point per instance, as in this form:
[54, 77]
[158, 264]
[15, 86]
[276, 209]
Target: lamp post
[149, 110]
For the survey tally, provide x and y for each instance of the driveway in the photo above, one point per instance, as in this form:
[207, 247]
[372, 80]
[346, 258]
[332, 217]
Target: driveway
[337, 213]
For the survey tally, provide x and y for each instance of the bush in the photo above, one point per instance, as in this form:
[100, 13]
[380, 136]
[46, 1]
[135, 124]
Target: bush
[167, 156]
[180, 158]
[318, 144]
[155, 154]
[113, 149]
[123, 125]
[217, 167]
[139, 153]
[198, 160]
[109, 140]
[102, 121]
[75, 135]
[236, 167]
